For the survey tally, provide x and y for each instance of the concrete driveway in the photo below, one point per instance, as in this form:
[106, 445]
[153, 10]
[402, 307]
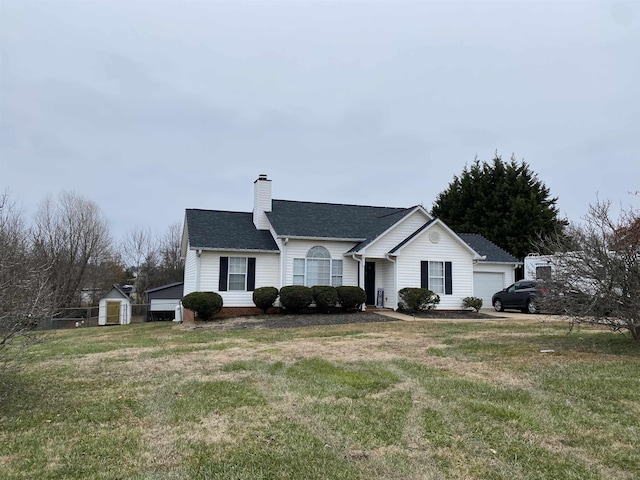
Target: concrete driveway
[516, 314]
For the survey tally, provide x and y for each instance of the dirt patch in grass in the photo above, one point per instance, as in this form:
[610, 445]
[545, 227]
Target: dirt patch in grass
[321, 319]
[289, 321]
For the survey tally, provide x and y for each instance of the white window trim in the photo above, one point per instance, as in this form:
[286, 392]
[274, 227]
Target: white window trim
[332, 274]
[431, 276]
[245, 274]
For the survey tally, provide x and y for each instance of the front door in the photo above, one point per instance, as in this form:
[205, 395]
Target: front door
[370, 282]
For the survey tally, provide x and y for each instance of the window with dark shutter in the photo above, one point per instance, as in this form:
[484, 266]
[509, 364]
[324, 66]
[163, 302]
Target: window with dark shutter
[224, 270]
[448, 280]
[424, 274]
[251, 274]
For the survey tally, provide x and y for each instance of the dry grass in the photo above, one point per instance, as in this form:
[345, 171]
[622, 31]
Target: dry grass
[420, 399]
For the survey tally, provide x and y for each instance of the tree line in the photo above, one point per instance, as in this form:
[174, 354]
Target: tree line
[66, 257]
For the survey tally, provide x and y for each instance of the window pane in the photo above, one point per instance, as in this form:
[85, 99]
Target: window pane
[336, 273]
[318, 272]
[318, 252]
[298, 266]
[436, 269]
[237, 265]
[436, 285]
[237, 281]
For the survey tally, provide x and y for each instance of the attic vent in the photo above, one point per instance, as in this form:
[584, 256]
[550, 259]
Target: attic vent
[434, 237]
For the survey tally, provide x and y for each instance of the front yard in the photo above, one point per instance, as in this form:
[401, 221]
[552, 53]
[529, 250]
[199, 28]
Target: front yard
[422, 400]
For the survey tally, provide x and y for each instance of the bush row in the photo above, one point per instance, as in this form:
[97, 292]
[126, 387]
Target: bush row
[294, 298]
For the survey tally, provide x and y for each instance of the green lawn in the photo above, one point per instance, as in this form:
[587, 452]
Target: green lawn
[397, 400]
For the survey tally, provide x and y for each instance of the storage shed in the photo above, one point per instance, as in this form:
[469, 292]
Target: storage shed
[115, 306]
[163, 301]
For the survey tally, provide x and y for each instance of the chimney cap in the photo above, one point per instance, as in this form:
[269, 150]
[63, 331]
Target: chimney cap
[262, 176]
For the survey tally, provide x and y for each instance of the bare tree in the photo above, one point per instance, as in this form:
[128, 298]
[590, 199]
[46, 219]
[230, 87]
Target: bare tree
[139, 253]
[596, 270]
[25, 293]
[69, 235]
[171, 264]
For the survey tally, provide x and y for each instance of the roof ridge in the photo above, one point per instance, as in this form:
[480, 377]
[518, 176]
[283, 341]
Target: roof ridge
[218, 211]
[342, 204]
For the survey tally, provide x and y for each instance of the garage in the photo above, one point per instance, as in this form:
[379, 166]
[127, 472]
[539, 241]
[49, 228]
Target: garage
[163, 301]
[485, 284]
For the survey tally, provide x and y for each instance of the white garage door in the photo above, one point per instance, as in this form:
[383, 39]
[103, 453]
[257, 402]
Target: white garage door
[485, 284]
[162, 304]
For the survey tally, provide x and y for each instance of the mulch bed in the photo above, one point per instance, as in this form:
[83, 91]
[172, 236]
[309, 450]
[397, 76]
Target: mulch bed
[317, 319]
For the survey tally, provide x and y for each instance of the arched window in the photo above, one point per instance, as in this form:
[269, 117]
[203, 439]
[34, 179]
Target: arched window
[317, 268]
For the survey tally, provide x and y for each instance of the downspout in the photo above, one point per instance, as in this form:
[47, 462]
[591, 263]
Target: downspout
[360, 275]
[395, 281]
[283, 262]
[198, 255]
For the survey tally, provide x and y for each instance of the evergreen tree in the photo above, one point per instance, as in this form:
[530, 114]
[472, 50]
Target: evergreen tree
[502, 201]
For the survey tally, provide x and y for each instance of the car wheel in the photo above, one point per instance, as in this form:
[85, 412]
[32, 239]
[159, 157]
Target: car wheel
[531, 307]
[498, 305]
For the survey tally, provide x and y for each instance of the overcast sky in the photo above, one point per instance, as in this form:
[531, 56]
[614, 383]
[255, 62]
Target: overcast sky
[149, 107]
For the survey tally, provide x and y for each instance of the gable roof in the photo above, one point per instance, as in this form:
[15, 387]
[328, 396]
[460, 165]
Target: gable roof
[488, 249]
[332, 220]
[223, 230]
[428, 225]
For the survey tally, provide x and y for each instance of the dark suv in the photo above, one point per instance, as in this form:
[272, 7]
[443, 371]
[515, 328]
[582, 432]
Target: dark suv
[520, 295]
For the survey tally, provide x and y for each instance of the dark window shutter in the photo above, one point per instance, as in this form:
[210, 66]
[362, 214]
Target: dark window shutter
[224, 270]
[251, 274]
[424, 274]
[448, 281]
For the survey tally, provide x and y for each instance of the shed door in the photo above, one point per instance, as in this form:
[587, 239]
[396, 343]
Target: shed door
[485, 284]
[113, 312]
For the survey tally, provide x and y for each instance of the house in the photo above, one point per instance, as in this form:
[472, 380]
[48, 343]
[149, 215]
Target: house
[115, 306]
[283, 242]
[163, 301]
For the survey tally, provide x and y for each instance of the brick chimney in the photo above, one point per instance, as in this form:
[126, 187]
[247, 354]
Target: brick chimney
[261, 201]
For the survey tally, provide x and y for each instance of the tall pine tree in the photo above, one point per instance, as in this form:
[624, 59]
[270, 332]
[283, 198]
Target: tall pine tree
[502, 201]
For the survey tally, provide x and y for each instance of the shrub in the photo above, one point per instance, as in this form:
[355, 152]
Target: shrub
[417, 299]
[351, 297]
[472, 302]
[263, 297]
[295, 297]
[325, 297]
[204, 304]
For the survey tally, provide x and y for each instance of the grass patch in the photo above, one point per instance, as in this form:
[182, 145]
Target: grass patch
[386, 400]
[319, 378]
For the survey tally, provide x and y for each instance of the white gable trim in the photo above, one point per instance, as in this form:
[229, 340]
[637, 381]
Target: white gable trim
[418, 208]
[437, 221]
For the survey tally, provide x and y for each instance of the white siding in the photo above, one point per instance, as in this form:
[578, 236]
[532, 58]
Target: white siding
[267, 275]
[447, 250]
[299, 249]
[397, 234]
[190, 272]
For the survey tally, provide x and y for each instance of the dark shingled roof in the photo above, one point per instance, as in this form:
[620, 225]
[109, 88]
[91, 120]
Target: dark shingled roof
[221, 230]
[487, 248]
[332, 220]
